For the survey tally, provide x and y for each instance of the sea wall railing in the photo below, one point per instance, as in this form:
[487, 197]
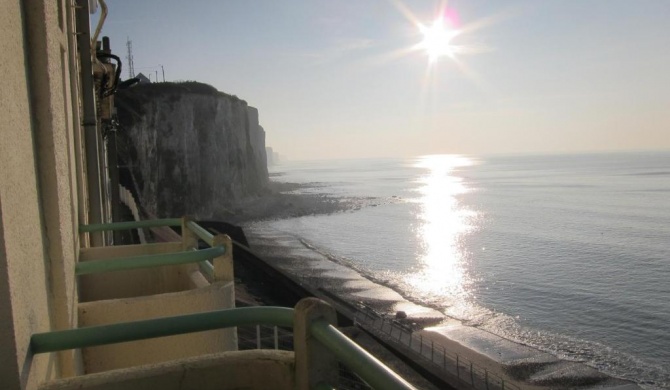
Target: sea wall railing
[345, 350]
[431, 353]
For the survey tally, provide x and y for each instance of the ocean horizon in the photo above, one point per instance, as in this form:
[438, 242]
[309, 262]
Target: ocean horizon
[569, 254]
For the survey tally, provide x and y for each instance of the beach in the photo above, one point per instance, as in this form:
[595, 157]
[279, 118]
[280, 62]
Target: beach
[521, 260]
[348, 291]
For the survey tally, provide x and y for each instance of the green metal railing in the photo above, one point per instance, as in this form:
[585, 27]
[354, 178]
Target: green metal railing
[201, 232]
[356, 358]
[148, 261]
[365, 365]
[159, 327]
[99, 227]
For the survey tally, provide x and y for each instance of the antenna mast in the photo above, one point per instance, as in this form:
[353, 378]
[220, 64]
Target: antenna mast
[131, 66]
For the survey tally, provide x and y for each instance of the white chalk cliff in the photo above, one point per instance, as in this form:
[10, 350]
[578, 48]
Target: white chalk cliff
[192, 150]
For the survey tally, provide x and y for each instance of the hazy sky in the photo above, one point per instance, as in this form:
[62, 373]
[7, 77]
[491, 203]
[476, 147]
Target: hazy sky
[335, 79]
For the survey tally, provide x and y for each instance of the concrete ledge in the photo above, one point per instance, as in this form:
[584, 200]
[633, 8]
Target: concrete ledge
[255, 369]
[216, 296]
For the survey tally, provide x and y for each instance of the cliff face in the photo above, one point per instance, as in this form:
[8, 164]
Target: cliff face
[191, 149]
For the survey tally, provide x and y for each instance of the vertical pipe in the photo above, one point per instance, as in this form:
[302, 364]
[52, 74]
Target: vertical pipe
[486, 379]
[444, 359]
[472, 375]
[276, 338]
[421, 344]
[90, 122]
[113, 162]
[258, 337]
[104, 183]
[458, 368]
[432, 350]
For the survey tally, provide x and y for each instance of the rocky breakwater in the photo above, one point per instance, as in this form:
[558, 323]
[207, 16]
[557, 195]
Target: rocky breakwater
[190, 149]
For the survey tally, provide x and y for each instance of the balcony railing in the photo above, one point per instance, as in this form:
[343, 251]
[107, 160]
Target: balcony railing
[203, 257]
[345, 350]
[312, 326]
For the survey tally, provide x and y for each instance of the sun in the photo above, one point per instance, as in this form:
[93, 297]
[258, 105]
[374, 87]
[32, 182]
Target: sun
[437, 40]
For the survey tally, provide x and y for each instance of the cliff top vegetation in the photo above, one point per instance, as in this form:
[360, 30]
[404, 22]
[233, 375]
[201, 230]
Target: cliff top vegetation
[155, 89]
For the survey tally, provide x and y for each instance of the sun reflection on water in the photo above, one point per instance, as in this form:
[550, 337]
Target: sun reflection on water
[443, 222]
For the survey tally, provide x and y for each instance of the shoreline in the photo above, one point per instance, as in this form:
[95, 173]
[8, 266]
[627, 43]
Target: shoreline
[330, 278]
[516, 363]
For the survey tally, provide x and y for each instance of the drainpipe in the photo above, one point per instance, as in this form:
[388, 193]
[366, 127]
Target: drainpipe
[112, 159]
[92, 136]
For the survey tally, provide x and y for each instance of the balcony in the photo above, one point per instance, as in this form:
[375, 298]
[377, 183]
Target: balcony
[163, 316]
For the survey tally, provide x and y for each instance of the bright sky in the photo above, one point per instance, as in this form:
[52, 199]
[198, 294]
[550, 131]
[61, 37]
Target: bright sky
[337, 79]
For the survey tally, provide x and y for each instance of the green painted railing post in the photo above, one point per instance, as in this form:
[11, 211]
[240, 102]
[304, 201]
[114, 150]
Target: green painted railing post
[189, 240]
[314, 362]
[223, 265]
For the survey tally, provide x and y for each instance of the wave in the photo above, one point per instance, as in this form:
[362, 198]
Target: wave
[596, 355]
[648, 173]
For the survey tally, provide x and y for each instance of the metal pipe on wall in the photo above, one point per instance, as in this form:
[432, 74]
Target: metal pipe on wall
[92, 136]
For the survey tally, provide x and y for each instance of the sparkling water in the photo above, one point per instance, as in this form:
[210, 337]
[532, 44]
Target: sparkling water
[566, 253]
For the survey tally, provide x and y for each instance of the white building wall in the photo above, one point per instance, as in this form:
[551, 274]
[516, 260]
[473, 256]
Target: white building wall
[38, 197]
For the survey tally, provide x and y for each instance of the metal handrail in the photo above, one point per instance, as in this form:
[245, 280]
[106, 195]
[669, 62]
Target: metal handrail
[360, 361]
[146, 261]
[99, 227]
[201, 232]
[159, 327]
[356, 358]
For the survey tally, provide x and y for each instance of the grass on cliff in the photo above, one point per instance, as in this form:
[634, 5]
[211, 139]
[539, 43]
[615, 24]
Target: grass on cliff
[156, 89]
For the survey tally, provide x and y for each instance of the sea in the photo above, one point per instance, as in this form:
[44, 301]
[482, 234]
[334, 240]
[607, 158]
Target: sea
[569, 254]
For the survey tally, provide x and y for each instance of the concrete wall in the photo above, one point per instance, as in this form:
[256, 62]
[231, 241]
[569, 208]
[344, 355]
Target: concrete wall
[55, 121]
[108, 357]
[37, 194]
[259, 369]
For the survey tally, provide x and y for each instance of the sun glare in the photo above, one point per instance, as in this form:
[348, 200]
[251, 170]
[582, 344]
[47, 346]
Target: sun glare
[444, 221]
[437, 40]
